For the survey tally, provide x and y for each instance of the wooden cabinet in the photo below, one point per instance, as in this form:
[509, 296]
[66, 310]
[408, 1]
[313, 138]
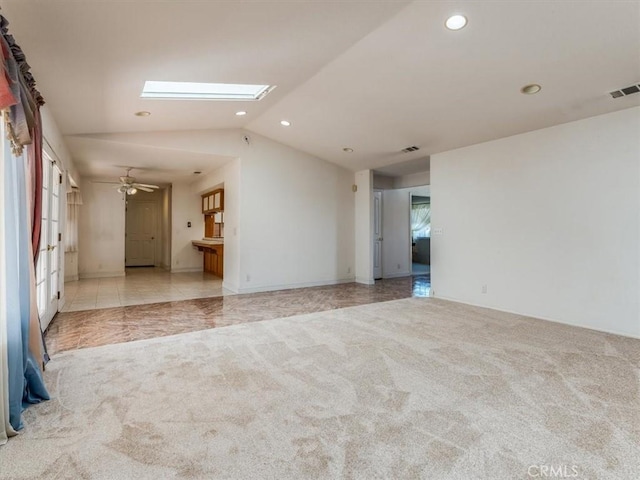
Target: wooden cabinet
[213, 259]
[213, 256]
[213, 201]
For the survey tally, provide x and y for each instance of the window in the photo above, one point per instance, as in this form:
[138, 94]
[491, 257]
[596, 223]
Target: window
[204, 91]
[420, 220]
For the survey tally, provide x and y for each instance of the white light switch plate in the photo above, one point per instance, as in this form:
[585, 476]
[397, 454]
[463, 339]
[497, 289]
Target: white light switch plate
[438, 231]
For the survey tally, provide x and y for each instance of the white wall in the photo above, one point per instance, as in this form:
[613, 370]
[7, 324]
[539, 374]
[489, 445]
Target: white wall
[165, 234]
[413, 180]
[54, 143]
[54, 139]
[364, 227]
[288, 215]
[396, 205]
[549, 221]
[227, 177]
[101, 233]
[382, 182]
[296, 219]
[186, 206]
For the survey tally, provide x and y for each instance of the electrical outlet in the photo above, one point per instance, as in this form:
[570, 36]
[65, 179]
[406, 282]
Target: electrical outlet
[484, 289]
[349, 270]
[248, 278]
[398, 266]
[438, 231]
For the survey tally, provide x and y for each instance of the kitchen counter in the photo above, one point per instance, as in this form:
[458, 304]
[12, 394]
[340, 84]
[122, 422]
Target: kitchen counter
[205, 242]
[213, 254]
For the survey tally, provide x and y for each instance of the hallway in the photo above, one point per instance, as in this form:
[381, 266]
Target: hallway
[139, 286]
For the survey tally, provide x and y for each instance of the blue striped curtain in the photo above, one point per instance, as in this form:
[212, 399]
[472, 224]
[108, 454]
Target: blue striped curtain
[25, 381]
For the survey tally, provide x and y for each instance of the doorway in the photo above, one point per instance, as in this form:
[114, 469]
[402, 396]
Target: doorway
[420, 235]
[49, 255]
[141, 227]
[377, 235]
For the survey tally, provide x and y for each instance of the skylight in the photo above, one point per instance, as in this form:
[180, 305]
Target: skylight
[204, 91]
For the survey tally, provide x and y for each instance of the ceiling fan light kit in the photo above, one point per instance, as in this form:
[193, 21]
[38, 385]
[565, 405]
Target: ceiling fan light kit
[129, 185]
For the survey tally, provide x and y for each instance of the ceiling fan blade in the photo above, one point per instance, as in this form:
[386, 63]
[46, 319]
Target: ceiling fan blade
[146, 185]
[111, 183]
[144, 189]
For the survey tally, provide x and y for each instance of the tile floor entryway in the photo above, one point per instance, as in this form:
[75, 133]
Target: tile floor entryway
[95, 327]
[141, 285]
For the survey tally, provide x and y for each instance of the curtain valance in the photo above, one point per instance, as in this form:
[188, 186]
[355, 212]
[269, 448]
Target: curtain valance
[74, 197]
[19, 97]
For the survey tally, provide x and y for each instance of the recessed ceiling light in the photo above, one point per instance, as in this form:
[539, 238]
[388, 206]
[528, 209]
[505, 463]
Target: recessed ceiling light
[241, 113]
[197, 173]
[285, 123]
[456, 22]
[531, 89]
[347, 149]
[204, 91]
[142, 114]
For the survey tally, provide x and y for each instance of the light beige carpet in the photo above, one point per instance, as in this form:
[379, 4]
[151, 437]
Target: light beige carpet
[415, 388]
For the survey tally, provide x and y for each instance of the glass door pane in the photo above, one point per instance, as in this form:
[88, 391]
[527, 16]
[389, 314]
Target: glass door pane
[47, 270]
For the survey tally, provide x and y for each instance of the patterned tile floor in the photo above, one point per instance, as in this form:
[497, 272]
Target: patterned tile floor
[92, 328]
[140, 286]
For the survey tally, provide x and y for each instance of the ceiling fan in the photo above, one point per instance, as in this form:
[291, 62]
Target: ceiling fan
[129, 185]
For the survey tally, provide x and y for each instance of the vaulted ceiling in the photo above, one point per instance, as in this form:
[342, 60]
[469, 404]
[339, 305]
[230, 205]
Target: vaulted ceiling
[373, 76]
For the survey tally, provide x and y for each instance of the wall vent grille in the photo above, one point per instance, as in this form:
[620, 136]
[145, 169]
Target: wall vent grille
[623, 92]
[412, 148]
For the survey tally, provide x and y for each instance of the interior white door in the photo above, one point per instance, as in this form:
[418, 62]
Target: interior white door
[48, 267]
[377, 235]
[140, 245]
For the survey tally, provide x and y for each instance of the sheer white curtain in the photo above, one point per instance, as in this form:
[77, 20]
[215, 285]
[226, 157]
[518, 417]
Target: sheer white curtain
[5, 427]
[74, 200]
[420, 220]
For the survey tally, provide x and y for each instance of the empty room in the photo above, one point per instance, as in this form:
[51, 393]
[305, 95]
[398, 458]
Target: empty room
[309, 239]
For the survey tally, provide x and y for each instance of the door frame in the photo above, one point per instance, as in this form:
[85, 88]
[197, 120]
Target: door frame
[377, 237]
[155, 228]
[50, 266]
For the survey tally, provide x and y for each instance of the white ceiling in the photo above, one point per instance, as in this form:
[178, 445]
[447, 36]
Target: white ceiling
[374, 76]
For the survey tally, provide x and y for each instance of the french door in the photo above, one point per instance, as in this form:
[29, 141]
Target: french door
[50, 255]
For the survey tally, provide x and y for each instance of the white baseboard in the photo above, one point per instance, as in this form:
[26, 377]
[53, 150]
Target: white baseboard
[365, 280]
[71, 278]
[289, 286]
[536, 317]
[185, 270]
[397, 275]
[101, 274]
[229, 286]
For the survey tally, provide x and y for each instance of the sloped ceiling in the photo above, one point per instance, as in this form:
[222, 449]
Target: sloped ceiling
[372, 76]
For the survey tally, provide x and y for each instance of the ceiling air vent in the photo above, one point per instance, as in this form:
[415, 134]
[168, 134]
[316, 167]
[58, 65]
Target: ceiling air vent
[412, 148]
[625, 91]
